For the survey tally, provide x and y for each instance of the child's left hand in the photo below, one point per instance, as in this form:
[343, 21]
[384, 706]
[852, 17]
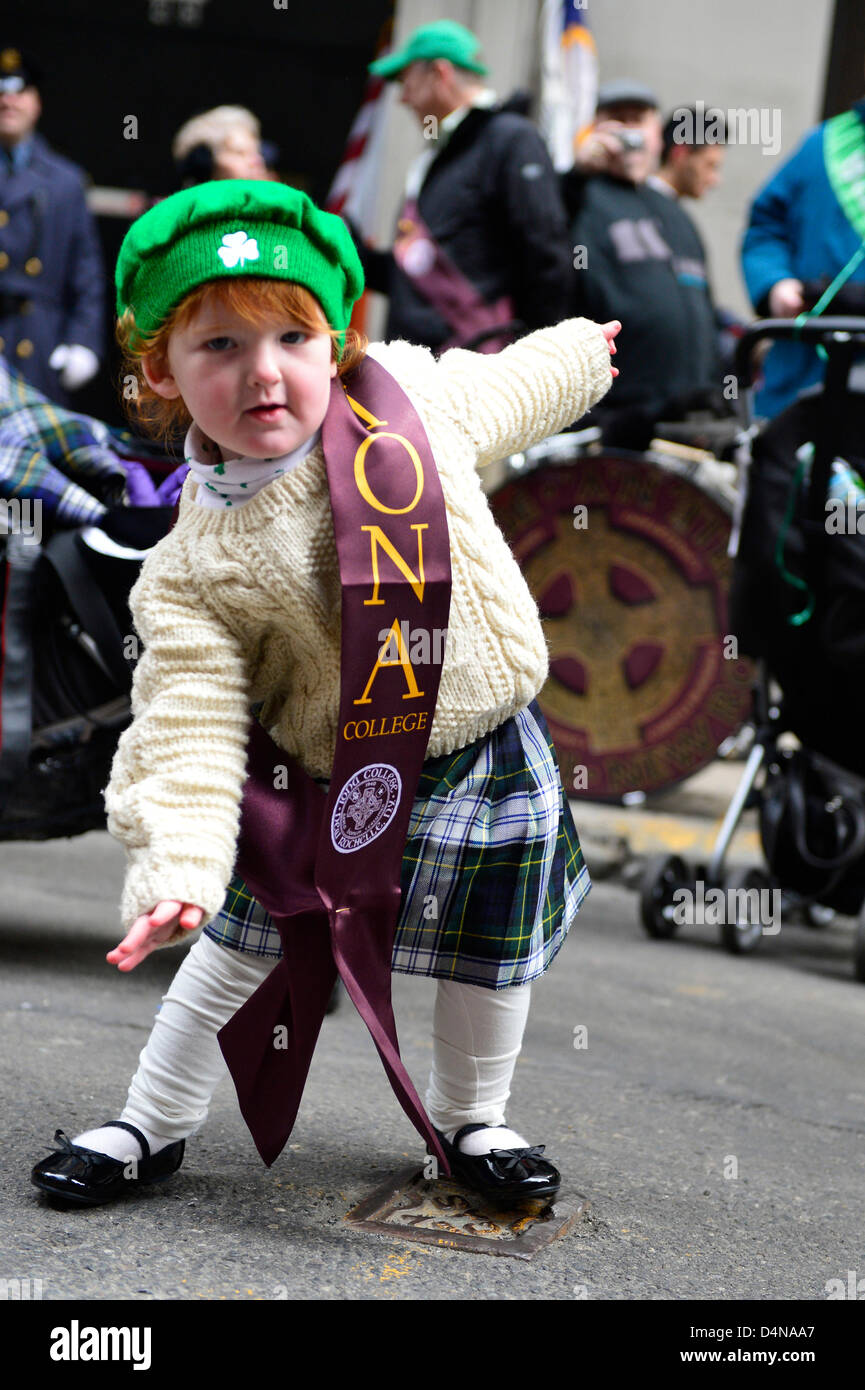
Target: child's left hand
[609, 331]
[151, 929]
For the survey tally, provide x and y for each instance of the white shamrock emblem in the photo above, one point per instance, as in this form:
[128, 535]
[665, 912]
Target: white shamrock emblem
[236, 249]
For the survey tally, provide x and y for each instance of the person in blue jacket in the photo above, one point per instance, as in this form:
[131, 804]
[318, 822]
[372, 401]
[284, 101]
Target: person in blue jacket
[798, 234]
[52, 277]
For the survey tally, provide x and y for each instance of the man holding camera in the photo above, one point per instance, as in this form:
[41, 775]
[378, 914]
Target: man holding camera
[638, 257]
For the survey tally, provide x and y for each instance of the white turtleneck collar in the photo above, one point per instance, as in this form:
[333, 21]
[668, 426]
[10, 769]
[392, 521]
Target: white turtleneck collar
[231, 482]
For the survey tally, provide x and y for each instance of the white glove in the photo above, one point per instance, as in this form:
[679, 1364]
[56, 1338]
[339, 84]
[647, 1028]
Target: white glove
[75, 363]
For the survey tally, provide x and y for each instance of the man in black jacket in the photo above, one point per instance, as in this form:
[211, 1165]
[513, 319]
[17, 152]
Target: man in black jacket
[482, 238]
[639, 258]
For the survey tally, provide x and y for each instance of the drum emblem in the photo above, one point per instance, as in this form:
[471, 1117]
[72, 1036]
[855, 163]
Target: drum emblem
[365, 807]
[643, 683]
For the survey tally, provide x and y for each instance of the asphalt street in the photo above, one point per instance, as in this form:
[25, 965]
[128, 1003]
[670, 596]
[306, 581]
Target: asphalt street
[715, 1119]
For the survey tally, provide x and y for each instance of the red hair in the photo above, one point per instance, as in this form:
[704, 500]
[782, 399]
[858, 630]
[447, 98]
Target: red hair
[256, 299]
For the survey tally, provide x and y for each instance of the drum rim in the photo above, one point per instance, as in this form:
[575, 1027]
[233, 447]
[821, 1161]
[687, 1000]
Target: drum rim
[553, 452]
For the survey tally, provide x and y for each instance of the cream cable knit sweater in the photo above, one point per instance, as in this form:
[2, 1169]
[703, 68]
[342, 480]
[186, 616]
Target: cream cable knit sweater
[239, 606]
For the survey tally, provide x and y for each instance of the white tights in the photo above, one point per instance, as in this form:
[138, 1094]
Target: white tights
[477, 1034]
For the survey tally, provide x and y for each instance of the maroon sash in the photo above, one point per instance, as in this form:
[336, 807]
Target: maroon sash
[328, 868]
[452, 295]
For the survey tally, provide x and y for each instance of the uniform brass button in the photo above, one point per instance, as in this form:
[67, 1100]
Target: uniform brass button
[2, 344]
[4, 217]
[33, 266]
[24, 348]
[4, 260]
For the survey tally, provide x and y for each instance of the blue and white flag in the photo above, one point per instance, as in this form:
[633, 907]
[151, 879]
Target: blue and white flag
[569, 78]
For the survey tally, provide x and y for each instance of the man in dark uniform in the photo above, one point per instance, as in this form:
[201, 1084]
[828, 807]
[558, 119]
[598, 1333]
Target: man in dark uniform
[482, 238]
[639, 258]
[52, 280]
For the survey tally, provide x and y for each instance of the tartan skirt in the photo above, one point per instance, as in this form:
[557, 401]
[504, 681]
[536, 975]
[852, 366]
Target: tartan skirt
[492, 874]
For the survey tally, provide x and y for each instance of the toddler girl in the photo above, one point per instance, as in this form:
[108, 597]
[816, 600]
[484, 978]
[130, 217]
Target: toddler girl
[234, 299]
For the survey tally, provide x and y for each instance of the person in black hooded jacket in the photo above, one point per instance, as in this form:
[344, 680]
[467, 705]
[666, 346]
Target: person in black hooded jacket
[639, 258]
[485, 190]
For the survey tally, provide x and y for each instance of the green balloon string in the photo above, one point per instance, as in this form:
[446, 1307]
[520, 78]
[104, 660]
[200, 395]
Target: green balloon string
[829, 294]
[798, 619]
[794, 619]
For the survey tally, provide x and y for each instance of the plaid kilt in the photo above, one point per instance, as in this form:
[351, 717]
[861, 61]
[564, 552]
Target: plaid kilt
[492, 874]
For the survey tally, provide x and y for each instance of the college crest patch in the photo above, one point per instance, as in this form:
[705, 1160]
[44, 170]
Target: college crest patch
[365, 807]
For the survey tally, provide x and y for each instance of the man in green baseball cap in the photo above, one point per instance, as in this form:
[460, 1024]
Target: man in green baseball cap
[481, 250]
[444, 39]
[440, 72]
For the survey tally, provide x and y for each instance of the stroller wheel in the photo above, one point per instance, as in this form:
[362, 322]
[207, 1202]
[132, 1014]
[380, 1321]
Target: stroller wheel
[742, 926]
[662, 876]
[859, 949]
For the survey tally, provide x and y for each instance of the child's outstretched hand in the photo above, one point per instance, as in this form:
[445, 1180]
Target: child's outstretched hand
[609, 331]
[152, 928]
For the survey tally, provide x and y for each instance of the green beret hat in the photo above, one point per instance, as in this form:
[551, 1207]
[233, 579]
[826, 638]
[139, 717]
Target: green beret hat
[230, 227]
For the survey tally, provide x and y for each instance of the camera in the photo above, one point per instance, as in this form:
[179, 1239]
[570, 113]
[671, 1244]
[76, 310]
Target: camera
[631, 140]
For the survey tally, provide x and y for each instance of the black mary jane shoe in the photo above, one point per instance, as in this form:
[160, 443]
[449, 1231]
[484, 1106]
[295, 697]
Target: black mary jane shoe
[503, 1175]
[87, 1178]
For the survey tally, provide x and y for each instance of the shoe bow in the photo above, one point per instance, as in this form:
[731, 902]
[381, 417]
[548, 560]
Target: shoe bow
[64, 1143]
[514, 1161]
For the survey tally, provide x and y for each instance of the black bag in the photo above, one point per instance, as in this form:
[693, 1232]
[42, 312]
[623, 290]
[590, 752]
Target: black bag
[812, 824]
[819, 661]
[66, 663]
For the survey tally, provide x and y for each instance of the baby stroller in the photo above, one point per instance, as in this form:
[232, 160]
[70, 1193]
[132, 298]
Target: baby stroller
[797, 605]
[80, 505]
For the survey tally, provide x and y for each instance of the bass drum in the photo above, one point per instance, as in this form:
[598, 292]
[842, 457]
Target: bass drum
[626, 556]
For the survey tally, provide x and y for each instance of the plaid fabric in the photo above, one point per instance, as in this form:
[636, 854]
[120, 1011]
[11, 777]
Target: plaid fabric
[68, 461]
[492, 874]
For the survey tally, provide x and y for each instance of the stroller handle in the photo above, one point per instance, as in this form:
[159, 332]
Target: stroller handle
[842, 337]
[831, 332]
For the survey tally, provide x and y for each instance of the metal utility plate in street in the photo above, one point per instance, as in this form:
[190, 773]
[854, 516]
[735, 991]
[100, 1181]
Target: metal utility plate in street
[443, 1212]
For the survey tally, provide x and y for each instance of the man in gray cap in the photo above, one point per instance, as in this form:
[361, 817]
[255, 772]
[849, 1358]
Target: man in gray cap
[625, 139]
[639, 258]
